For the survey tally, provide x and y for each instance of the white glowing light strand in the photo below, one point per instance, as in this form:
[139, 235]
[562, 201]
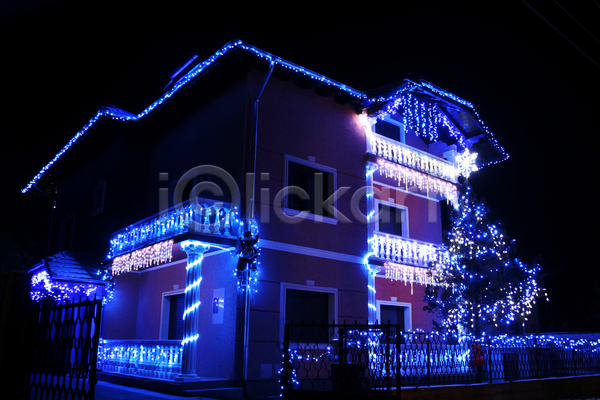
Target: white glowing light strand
[122, 115]
[409, 177]
[409, 274]
[401, 154]
[157, 254]
[399, 250]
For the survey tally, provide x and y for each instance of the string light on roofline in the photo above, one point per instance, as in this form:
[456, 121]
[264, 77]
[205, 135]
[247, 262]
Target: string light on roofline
[422, 117]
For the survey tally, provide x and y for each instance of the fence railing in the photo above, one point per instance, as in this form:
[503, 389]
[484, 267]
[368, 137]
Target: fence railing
[150, 358]
[352, 358]
[64, 350]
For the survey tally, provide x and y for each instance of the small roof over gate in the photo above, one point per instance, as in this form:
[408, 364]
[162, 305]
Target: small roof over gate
[72, 267]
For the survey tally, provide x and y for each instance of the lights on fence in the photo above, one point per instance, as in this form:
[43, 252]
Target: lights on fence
[382, 353]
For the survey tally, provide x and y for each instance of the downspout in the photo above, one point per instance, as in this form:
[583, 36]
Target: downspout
[255, 129]
[247, 291]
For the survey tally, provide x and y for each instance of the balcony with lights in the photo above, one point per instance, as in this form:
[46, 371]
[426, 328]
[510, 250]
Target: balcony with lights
[208, 221]
[405, 259]
[407, 156]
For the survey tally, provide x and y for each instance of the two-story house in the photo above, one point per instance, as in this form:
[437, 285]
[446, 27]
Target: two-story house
[254, 193]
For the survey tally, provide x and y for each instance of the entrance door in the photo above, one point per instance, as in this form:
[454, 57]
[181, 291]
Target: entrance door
[395, 313]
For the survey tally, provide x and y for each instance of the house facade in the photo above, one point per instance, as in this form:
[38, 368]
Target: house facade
[256, 193]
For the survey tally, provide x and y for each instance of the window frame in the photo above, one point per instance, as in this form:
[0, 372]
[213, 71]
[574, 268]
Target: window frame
[284, 286]
[392, 121]
[99, 208]
[405, 221]
[67, 232]
[320, 167]
[165, 312]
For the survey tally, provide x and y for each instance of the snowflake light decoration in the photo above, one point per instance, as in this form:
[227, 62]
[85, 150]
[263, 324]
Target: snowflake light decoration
[465, 163]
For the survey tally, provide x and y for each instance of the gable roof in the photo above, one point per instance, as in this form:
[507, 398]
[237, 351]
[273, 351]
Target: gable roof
[436, 114]
[72, 267]
[194, 69]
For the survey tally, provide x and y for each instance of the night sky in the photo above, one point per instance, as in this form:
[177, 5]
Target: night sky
[531, 71]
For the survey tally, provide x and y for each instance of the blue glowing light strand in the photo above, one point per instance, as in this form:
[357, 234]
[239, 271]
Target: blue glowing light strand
[43, 286]
[402, 97]
[121, 115]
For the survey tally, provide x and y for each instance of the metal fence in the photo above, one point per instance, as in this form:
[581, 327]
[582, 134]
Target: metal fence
[354, 358]
[65, 350]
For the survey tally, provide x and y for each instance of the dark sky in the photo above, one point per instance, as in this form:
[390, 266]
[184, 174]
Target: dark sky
[531, 70]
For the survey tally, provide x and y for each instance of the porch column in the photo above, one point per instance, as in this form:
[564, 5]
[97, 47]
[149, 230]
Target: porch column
[372, 215]
[372, 293]
[193, 276]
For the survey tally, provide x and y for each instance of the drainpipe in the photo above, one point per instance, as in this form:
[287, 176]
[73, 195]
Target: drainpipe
[252, 202]
[255, 129]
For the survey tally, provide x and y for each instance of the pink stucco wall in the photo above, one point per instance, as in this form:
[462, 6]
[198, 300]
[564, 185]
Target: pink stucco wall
[412, 293]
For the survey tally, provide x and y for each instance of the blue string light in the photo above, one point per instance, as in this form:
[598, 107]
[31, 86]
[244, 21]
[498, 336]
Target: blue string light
[420, 116]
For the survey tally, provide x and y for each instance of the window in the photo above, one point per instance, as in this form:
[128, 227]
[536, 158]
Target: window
[390, 130]
[98, 204]
[172, 327]
[310, 184]
[308, 305]
[393, 219]
[67, 228]
[395, 313]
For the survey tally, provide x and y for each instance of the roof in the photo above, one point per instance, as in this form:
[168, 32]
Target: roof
[456, 120]
[72, 267]
[460, 112]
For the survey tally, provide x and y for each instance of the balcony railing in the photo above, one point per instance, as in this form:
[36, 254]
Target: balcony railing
[207, 218]
[405, 251]
[150, 358]
[408, 156]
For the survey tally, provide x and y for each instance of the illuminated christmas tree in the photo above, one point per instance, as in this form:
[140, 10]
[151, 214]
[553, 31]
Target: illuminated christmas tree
[483, 283]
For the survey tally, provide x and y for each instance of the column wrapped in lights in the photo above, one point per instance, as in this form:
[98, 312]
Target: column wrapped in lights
[195, 251]
[372, 312]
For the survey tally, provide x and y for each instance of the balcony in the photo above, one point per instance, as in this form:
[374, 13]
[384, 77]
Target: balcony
[149, 358]
[212, 220]
[410, 157]
[405, 251]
